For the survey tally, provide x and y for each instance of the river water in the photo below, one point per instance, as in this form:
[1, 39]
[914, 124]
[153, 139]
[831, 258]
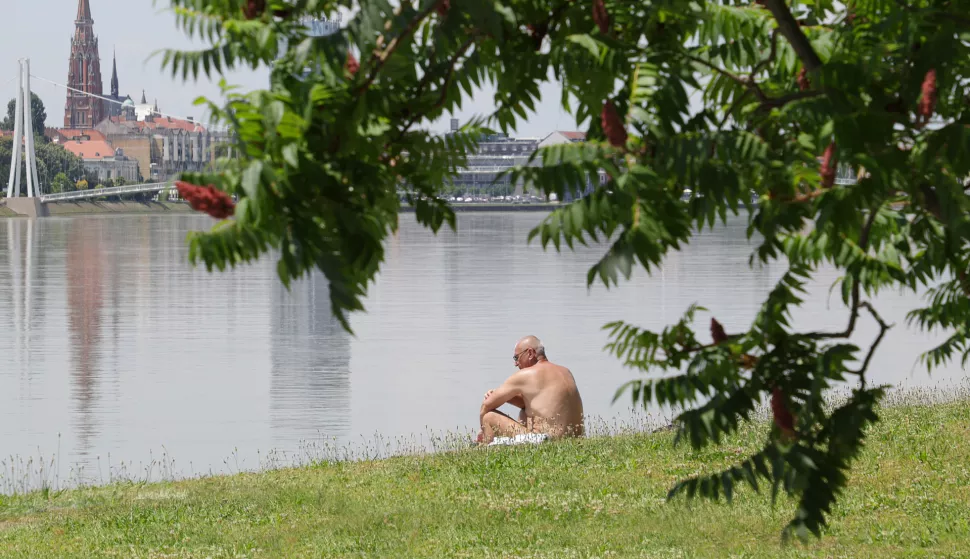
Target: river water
[117, 354]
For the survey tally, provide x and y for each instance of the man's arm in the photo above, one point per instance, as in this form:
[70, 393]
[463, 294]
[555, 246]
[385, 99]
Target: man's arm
[511, 390]
[517, 401]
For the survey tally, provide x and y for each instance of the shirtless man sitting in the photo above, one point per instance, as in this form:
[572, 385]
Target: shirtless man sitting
[546, 392]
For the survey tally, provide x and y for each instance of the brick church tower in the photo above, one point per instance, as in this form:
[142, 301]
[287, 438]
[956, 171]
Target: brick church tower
[84, 74]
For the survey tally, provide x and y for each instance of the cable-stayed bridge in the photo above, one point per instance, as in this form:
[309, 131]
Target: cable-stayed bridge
[78, 195]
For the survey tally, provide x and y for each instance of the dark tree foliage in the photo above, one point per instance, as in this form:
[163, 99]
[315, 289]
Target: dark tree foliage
[789, 93]
[52, 159]
[38, 115]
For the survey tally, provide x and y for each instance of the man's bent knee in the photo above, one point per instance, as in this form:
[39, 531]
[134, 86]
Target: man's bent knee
[497, 424]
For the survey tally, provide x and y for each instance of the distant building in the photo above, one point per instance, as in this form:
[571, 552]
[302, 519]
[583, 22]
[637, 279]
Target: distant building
[64, 135]
[159, 147]
[502, 144]
[562, 137]
[84, 108]
[483, 171]
[100, 159]
[162, 145]
[127, 110]
[571, 137]
[496, 154]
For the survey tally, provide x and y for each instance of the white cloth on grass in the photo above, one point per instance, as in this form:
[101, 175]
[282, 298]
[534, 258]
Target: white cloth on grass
[524, 438]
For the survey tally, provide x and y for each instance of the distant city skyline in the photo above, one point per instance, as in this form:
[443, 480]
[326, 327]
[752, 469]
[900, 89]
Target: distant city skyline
[135, 30]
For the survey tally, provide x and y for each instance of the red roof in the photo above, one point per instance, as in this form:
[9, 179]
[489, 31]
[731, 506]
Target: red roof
[93, 149]
[169, 122]
[574, 136]
[164, 122]
[71, 133]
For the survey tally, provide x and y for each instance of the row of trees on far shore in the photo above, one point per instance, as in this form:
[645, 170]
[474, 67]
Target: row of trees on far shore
[58, 169]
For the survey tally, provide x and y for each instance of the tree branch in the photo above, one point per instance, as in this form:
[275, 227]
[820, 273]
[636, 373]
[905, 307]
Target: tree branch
[793, 33]
[751, 78]
[444, 88]
[785, 99]
[751, 85]
[734, 105]
[854, 295]
[771, 55]
[801, 198]
[395, 42]
[854, 306]
[932, 202]
[747, 84]
[883, 328]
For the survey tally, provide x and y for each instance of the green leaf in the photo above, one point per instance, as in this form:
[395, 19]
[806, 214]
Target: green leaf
[251, 178]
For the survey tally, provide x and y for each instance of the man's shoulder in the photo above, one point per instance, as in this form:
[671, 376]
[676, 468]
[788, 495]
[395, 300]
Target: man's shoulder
[550, 366]
[523, 374]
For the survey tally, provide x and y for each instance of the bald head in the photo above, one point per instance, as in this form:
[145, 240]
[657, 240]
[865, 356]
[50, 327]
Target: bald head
[531, 342]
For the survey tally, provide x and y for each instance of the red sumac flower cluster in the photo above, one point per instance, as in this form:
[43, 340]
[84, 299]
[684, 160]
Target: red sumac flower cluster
[827, 171]
[717, 331]
[352, 65]
[207, 199]
[601, 17]
[443, 7]
[613, 125]
[784, 418]
[927, 102]
[252, 9]
[803, 82]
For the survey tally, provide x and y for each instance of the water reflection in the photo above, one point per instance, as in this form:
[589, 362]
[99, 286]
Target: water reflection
[310, 354]
[20, 242]
[85, 261]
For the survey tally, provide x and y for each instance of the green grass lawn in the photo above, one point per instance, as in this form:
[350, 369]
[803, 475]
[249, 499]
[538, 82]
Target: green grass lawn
[909, 496]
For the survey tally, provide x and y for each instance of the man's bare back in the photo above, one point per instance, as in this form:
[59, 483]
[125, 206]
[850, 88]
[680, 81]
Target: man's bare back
[546, 392]
[552, 402]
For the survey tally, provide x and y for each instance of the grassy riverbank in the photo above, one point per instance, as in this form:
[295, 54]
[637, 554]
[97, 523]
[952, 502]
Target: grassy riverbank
[600, 497]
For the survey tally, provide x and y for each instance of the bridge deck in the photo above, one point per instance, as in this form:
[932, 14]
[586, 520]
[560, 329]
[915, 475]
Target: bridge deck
[107, 191]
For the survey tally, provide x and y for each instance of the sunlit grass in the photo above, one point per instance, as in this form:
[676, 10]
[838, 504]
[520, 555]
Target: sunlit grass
[598, 497]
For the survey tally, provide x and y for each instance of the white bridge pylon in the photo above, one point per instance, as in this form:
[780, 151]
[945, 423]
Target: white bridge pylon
[23, 137]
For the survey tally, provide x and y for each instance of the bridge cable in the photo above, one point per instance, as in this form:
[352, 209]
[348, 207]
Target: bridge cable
[110, 100]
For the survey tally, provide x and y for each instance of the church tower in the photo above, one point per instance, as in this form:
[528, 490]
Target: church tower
[84, 74]
[114, 75]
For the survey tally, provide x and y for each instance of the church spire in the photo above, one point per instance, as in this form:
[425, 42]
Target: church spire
[83, 10]
[114, 75]
[83, 108]
[143, 100]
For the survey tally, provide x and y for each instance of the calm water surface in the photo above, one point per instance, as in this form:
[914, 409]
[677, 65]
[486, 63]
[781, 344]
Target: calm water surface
[113, 345]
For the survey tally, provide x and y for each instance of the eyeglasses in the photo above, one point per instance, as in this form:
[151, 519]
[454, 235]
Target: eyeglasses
[515, 358]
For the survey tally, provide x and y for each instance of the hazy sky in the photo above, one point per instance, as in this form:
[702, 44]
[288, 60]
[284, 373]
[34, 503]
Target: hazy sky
[42, 29]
